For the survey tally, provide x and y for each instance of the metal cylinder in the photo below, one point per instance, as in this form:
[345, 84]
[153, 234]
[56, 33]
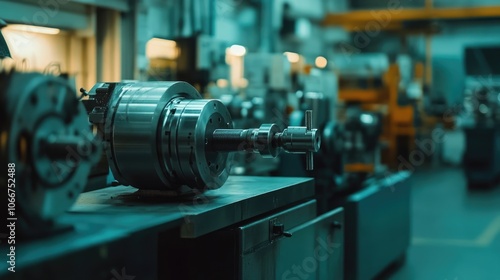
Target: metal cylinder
[131, 130]
[157, 135]
[298, 139]
[162, 135]
[186, 138]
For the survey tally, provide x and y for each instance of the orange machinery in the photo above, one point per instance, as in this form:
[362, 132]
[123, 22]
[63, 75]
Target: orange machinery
[398, 132]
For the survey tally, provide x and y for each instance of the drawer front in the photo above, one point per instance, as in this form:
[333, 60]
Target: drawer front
[314, 250]
[258, 233]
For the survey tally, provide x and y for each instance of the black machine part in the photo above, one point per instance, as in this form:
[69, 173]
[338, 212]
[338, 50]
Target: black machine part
[45, 137]
[485, 105]
[4, 49]
[361, 130]
[164, 136]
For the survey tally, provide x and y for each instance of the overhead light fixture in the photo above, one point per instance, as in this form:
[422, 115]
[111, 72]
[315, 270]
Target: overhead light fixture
[321, 62]
[292, 57]
[237, 50]
[33, 28]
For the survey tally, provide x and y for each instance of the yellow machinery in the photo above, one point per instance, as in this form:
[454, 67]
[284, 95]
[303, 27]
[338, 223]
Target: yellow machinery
[398, 130]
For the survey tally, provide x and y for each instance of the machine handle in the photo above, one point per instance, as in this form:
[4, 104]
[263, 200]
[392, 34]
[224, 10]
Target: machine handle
[336, 225]
[309, 154]
[278, 229]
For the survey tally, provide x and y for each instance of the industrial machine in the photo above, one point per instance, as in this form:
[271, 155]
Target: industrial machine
[180, 139]
[348, 174]
[183, 142]
[163, 139]
[269, 78]
[357, 139]
[197, 60]
[391, 88]
[258, 91]
[350, 151]
[47, 145]
[482, 103]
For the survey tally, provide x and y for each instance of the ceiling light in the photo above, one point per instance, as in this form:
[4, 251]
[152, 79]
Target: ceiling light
[321, 62]
[237, 50]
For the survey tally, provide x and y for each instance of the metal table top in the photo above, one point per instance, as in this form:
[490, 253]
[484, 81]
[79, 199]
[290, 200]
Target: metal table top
[114, 213]
[241, 198]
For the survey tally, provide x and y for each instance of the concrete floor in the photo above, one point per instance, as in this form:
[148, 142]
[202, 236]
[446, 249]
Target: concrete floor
[456, 232]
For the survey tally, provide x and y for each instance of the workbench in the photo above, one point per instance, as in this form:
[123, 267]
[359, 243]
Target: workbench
[115, 232]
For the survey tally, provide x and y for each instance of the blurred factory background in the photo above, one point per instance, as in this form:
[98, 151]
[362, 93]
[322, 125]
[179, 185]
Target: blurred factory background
[318, 139]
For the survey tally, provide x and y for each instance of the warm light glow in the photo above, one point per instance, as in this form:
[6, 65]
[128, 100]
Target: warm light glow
[243, 83]
[161, 48]
[235, 57]
[321, 62]
[222, 83]
[292, 57]
[32, 28]
[237, 50]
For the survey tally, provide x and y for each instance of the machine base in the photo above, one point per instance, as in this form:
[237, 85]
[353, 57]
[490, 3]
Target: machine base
[120, 235]
[482, 156]
[377, 231]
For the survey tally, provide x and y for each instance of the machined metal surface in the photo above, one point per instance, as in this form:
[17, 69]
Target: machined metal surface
[242, 197]
[163, 136]
[155, 134]
[131, 130]
[45, 133]
[269, 141]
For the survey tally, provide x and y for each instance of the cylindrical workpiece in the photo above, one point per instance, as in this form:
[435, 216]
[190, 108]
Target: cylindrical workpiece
[167, 128]
[180, 139]
[298, 139]
[309, 161]
[309, 120]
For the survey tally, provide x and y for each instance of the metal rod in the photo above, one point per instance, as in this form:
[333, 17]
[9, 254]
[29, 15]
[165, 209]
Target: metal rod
[59, 147]
[309, 121]
[229, 140]
[309, 161]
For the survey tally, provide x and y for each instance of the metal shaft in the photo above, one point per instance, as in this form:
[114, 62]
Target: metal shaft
[232, 140]
[267, 140]
[59, 147]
